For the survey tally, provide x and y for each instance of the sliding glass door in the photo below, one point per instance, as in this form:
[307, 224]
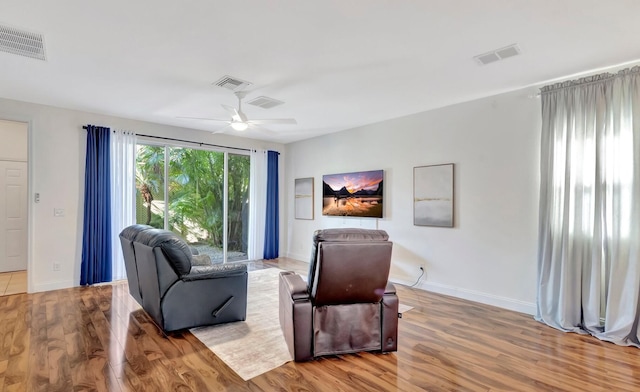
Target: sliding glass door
[237, 206]
[202, 195]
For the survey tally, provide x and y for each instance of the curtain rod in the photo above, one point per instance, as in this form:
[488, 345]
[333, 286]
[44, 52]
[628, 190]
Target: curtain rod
[188, 141]
[198, 143]
[589, 80]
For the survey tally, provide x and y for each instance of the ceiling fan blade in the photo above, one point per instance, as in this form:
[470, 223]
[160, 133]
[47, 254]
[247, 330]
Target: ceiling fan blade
[202, 118]
[233, 111]
[222, 130]
[274, 121]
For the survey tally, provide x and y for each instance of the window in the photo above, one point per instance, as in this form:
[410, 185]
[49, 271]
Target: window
[590, 183]
[202, 195]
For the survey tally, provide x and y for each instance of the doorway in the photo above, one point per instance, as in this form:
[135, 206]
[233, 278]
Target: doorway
[14, 203]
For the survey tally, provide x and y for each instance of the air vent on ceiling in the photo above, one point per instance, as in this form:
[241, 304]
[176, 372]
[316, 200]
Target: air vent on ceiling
[22, 43]
[498, 54]
[231, 83]
[265, 102]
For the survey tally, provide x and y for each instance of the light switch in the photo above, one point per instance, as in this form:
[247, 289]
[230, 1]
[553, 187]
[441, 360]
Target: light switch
[58, 212]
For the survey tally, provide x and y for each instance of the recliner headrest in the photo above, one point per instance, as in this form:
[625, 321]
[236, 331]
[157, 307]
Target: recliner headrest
[131, 232]
[341, 235]
[349, 234]
[175, 249]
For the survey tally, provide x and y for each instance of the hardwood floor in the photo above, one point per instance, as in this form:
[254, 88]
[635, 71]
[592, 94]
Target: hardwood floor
[98, 338]
[13, 282]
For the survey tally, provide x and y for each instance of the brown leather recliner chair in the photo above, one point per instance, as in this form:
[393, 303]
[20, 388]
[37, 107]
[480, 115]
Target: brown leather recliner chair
[348, 305]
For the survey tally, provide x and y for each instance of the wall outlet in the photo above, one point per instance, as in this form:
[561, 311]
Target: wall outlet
[423, 270]
[56, 266]
[58, 212]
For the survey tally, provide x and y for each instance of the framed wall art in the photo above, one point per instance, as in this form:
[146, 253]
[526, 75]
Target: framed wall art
[304, 198]
[433, 195]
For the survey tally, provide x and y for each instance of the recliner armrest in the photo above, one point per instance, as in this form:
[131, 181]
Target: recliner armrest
[296, 315]
[214, 271]
[390, 317]
[294, 284]
[390, 289]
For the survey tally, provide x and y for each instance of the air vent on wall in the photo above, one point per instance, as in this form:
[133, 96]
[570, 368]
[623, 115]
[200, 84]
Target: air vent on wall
[22, 43]
[265, 102]
[498, 54]
[231, 83]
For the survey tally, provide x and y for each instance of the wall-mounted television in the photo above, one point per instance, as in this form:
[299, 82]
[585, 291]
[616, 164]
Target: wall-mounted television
[357, 194]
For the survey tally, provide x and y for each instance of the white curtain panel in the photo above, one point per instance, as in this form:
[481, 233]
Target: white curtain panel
[123, 183]
[258, 203]
[589, 227]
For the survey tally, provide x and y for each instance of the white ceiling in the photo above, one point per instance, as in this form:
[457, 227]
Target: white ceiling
[337, 64]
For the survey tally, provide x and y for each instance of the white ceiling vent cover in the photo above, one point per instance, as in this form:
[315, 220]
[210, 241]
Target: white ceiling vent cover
[22, 43]
[265, 102]
[231, 83]
[498, 54]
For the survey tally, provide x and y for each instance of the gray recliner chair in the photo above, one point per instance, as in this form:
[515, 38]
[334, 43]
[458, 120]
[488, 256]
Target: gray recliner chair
[348, 305]
[174, 293]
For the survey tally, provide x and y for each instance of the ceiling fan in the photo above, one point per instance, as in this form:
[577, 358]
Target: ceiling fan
[239, 120]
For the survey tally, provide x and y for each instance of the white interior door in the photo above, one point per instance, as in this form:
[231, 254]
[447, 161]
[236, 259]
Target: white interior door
[13, 216]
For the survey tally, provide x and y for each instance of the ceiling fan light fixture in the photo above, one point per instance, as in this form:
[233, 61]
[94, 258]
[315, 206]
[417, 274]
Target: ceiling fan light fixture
[239, 126]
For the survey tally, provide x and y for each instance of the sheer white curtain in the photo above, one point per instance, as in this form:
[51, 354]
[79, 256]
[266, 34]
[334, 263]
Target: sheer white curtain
[589, 231]
[123, 182]
[258, 202]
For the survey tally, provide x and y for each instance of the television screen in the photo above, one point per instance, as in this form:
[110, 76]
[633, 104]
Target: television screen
[356, 194]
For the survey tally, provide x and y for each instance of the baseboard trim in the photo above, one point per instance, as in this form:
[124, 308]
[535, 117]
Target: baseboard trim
[476, 296]
[65, 284]
[297, 257]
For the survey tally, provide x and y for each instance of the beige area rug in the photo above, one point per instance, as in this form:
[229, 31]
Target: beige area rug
[257, 345]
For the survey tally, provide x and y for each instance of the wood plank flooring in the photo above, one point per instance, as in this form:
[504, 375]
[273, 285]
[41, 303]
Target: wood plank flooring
[98, 339]
[13, 282]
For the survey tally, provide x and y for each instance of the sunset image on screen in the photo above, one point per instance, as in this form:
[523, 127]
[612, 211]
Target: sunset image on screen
[353, 194]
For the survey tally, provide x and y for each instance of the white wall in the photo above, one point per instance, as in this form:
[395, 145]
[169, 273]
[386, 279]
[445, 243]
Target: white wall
[490, 254]
[57, 153]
